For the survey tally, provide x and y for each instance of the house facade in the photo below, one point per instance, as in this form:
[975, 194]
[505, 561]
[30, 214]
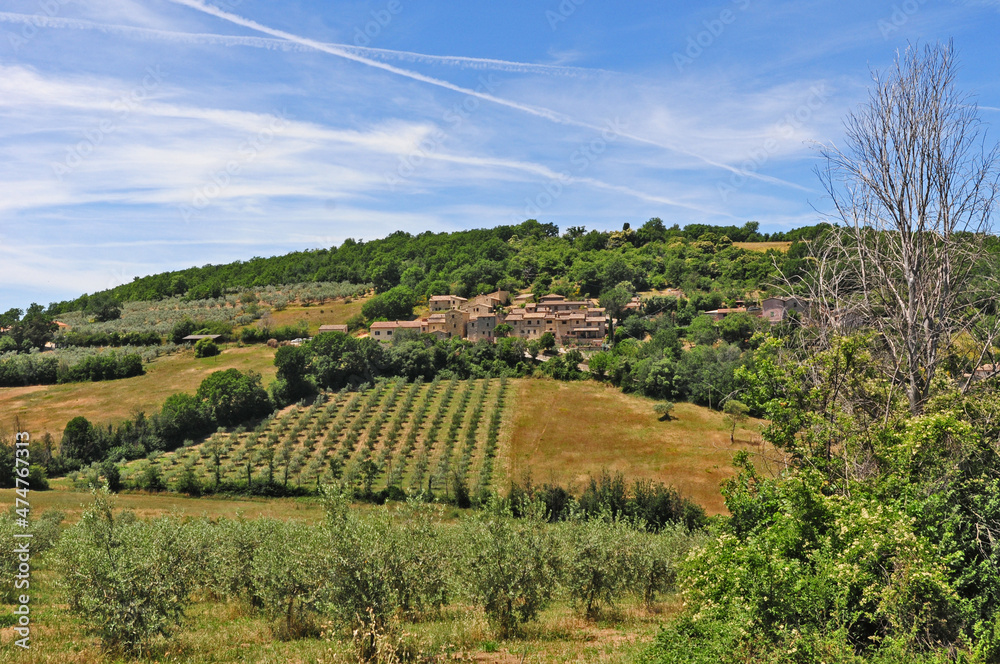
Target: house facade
[384, 331]
[445, 302]
[481, 327]
[777, 309]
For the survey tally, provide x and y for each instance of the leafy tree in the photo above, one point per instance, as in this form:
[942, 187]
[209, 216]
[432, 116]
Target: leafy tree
[599, 363]
[736, 413]
[703, 331]
[188, 482]
[35, 329]
[596, 562]
[394, 304]
[230, 397]
[664, 409]
[510, 566]
[739, 328]
[181, 417]
[151, 479]
[547, 341]
[614, 300]
[104, 307]
[182, 329]
[112, 476]
[9, 318]
[129, 580]
[80, 441]
[293, 377]
[651, 231]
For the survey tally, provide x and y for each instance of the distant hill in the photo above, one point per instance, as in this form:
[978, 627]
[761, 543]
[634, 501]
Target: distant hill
[465, 263]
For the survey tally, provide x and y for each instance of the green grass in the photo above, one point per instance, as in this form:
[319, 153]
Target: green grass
[214, 632]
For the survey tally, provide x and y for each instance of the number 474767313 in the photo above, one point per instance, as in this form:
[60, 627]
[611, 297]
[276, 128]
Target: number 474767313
[21, 467]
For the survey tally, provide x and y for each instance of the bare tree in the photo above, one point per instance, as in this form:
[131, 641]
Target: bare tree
[913, 190]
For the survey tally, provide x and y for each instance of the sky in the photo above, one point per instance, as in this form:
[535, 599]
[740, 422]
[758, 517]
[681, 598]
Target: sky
[138, 136]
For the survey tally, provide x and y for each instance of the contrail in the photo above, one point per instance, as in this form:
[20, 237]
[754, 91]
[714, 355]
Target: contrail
[537, 111]
[41, 21]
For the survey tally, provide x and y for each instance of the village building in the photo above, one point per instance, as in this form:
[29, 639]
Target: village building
[333, 328]
[481, 327]
[525, 324]
[477, 319]
[384, 330]
[445, 302]
[719, 314]
[446, 324]
[777, 309]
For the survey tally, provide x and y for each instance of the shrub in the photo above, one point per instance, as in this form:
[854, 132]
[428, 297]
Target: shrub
[128, 580]
[206, 348]
[188, 482]
[288, 574]
[664, 410]
[150, 479]
[510, 565]
[596, 559]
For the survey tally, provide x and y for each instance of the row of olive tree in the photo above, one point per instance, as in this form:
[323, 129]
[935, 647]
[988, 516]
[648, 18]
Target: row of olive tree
[131, 580]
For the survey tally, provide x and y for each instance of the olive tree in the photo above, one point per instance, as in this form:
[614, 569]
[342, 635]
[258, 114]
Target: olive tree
[129, 580]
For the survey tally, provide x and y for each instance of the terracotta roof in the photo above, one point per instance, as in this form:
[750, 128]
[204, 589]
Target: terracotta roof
[393, 324]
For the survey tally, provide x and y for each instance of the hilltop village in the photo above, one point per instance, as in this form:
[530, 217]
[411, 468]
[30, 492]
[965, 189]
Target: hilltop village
[571, 322]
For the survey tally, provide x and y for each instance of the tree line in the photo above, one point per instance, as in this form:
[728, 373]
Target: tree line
[529, 255]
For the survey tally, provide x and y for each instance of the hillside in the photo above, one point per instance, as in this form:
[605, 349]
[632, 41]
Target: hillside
[529, 255]
[565, 433]
[47, 408]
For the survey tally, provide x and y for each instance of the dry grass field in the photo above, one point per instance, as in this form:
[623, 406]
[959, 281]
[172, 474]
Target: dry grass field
[334, 312]
[566, 432]
[47, 408]
[763, 246]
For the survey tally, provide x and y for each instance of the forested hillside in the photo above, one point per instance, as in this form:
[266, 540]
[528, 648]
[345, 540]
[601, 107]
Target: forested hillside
[531, 254]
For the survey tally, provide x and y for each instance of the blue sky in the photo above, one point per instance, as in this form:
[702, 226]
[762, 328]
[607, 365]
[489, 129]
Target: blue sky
[138, 136]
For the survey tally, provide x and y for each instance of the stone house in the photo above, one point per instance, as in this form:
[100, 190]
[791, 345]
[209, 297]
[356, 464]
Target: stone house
[777, 309]
[384, 330]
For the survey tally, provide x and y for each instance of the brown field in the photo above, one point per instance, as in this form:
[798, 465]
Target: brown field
[566, 432]
[47, 408]
[763, 246]
[329, 313]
